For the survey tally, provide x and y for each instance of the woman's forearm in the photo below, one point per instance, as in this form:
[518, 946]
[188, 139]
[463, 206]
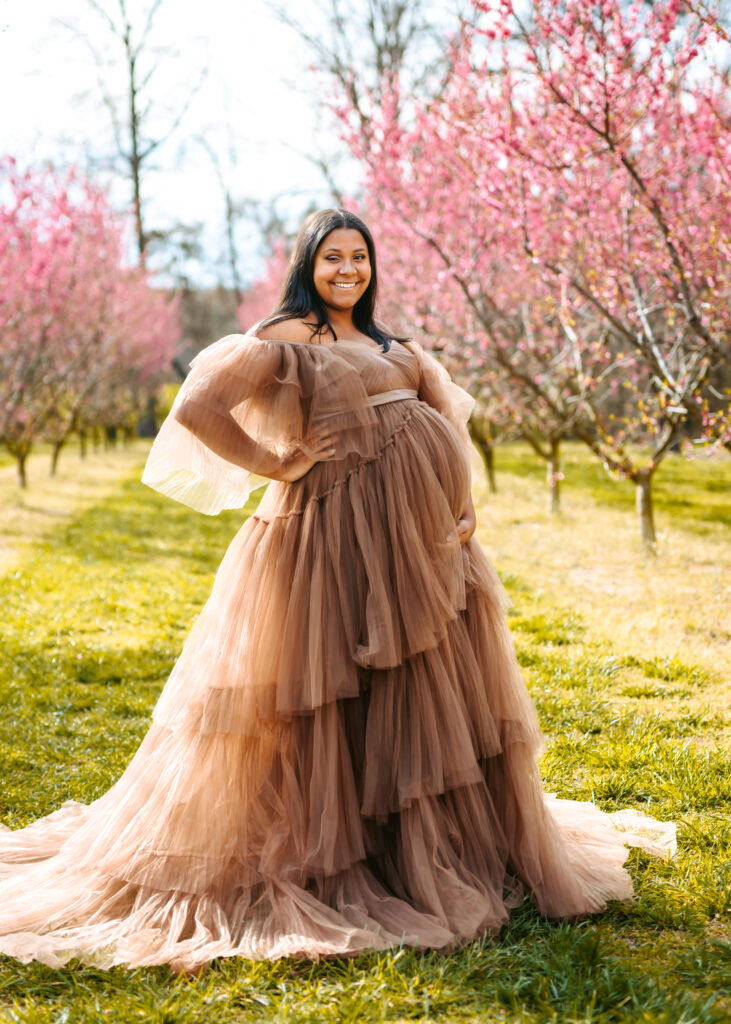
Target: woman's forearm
[222, 434]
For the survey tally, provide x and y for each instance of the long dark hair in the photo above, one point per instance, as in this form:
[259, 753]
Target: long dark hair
[299, 296]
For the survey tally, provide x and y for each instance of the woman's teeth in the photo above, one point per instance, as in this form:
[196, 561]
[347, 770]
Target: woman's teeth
[339, 285]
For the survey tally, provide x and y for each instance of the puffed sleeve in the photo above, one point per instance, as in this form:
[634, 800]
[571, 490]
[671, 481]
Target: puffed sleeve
[222, 377]
[438, 389]
[274, 392]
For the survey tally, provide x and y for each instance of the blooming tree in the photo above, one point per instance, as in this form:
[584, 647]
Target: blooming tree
[570, 202]
[74, 320]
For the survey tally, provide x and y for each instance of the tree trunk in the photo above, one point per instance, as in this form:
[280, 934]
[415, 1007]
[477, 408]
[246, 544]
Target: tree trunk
[489, 460]
[553, 475]
[550, 454]
[487, 451]
[481, 434]
[55, 452]
[232, 251]
[83, 447]
[20, 458]
[134, 157]
[643, 495]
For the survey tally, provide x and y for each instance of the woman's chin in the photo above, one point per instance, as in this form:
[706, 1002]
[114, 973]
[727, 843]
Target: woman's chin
[339, 304]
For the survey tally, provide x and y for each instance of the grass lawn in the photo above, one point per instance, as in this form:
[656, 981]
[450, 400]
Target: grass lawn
[694, 493]
[626, 656]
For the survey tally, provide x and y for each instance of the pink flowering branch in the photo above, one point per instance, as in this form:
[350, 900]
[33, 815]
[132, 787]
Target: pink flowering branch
[73, 318]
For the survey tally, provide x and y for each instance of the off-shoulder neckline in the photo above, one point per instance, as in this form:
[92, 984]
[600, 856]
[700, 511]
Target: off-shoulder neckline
[320, 345]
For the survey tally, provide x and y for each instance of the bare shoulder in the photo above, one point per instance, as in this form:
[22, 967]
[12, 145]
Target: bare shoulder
[295, 330]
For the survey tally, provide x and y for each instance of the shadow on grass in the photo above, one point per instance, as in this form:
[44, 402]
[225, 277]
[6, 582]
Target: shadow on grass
[129, 527]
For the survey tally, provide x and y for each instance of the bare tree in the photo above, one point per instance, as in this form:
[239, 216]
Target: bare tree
[136, 134]
[232, 208]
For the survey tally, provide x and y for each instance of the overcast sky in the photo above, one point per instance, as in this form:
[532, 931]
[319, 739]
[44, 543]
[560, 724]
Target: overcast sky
[257, 82]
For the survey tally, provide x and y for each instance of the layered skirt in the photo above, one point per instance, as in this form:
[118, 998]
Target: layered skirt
[343, 758]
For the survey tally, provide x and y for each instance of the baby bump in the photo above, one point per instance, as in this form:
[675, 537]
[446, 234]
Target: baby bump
[445, 451]
[412, 431]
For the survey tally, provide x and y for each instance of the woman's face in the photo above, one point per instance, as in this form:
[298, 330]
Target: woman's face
[342, 269]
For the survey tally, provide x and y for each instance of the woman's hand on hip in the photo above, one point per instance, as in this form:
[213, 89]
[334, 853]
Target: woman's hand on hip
[315, 447]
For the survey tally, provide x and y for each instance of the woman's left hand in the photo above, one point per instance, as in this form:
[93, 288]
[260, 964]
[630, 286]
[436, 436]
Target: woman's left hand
[467, 523]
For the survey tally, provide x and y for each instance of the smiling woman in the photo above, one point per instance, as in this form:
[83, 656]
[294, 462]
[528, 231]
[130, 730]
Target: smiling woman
[343, 758]
[332, 285]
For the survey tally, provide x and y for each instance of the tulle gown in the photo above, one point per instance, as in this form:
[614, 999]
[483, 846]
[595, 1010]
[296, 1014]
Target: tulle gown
[343, 758]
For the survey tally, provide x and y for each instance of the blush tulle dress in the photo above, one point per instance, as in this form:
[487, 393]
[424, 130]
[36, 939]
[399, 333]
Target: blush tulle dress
[343, 758]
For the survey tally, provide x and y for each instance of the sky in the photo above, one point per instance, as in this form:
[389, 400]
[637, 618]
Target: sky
[257, 92]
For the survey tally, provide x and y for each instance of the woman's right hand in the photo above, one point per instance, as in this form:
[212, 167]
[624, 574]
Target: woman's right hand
[315, 447]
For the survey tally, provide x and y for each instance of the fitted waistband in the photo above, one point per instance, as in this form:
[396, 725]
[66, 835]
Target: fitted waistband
[397, 395]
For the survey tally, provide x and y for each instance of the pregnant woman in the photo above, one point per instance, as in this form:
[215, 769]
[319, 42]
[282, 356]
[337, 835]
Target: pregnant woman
[343, 758]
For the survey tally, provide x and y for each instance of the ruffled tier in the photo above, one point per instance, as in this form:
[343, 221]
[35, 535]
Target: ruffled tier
[310, 875]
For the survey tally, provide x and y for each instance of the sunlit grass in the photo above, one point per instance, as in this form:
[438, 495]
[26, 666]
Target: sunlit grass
[694, 492]
[671, 607]
[29, 516]
[95, 613]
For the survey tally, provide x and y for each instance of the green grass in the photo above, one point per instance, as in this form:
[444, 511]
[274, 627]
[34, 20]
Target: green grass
[91, 626]
[693, 492]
